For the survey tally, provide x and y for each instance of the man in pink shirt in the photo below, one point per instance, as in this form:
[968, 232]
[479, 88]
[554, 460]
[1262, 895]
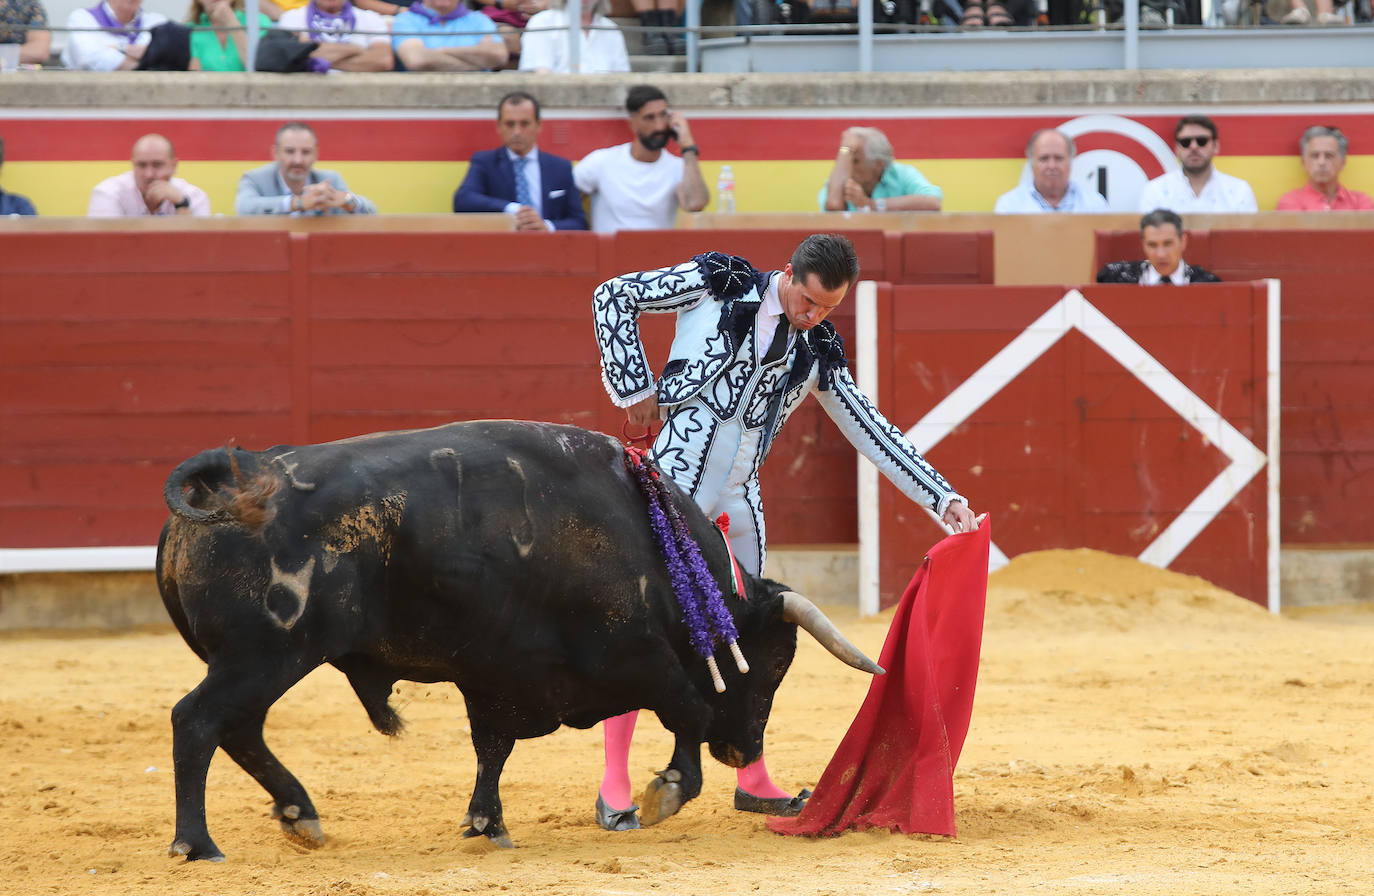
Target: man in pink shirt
[150, 188]
[1323, 158]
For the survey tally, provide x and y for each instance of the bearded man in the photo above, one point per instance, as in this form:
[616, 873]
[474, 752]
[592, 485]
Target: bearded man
[638, 185]
[1196, 186]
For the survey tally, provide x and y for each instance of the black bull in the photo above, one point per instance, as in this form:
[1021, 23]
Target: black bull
[513, 559]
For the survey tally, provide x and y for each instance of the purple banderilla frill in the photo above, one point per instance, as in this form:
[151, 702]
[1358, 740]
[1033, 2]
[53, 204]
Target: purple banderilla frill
[703, 609]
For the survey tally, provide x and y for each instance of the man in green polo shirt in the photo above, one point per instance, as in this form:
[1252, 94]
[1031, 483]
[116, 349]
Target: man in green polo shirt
[865, 178]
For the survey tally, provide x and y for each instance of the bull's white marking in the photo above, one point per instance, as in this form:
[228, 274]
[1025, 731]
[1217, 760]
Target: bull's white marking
[440, 455]
[298, 584]
[290, 470]
[522, 536]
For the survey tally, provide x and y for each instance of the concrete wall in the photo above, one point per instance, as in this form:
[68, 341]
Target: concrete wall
[908, 90]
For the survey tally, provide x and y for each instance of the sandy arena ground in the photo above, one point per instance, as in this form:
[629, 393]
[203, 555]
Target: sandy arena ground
[1135, 732]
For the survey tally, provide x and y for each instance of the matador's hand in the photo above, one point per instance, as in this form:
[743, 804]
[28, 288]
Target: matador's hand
[959, 518]
[644, 412]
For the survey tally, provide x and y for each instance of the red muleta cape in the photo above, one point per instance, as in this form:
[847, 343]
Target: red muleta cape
[895, 767]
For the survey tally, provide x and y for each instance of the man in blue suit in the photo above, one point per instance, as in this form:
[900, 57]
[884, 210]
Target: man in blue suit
[536, 187]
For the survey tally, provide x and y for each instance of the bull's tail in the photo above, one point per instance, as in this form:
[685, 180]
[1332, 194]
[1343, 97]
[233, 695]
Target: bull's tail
[211, 487]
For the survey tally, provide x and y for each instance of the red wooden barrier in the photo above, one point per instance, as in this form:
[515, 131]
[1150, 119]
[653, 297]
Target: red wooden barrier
[1326, 388]
[121, 354]
[1064, 433]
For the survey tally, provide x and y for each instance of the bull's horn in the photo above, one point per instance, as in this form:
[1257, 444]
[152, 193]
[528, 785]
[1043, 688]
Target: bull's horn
[799, 611]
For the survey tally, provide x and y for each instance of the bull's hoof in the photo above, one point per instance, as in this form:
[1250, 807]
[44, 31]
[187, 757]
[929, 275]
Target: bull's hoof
[305, 831]
[616, 819]
[662, 798]
[498, 838]
[193, 853]
[481, 826]
[785, 806]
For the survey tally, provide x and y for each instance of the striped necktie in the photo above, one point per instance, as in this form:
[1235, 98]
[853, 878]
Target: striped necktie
[522, 183]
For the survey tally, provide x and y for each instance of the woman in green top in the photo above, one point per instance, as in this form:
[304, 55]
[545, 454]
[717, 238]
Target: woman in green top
[220, 51]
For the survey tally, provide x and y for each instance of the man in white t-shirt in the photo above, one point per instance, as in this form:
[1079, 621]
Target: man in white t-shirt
[351, 39]
[1196, 186]
[636, 185]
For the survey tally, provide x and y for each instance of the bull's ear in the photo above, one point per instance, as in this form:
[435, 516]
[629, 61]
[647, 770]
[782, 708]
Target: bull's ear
[765, 602]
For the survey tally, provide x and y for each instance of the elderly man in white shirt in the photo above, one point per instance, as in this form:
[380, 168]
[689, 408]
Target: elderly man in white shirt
[544, 45]
[1051, 189]
[1196, 186]
[150, 187]
[119, 45]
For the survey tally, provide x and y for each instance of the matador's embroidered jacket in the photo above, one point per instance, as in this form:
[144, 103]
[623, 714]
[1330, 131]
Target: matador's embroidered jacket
[723, 405]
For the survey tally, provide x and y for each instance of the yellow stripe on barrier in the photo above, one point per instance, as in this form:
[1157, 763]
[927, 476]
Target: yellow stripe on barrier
[970, 185]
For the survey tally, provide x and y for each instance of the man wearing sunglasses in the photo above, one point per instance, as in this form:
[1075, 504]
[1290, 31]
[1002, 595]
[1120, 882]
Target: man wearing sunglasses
[1197, 186]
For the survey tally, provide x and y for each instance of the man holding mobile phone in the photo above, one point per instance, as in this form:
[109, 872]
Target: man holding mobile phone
[638, 185]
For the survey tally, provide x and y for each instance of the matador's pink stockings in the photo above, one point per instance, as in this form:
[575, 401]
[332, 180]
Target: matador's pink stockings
[618, 731]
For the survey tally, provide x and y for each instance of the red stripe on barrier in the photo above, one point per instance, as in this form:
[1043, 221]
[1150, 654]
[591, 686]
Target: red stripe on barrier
[736, 138]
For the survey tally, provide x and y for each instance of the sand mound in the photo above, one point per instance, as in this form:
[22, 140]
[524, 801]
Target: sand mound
[1091, 589]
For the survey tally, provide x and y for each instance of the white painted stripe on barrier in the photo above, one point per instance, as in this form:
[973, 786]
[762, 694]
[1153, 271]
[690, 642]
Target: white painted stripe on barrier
[1074, 311]
[21, 560]
[866, 344]
[1272, 354]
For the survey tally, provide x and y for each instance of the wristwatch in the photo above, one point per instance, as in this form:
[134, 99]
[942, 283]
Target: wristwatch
[880, 205]
[184, 203]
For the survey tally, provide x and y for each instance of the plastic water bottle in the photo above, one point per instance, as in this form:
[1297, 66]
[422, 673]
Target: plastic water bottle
[725, 190]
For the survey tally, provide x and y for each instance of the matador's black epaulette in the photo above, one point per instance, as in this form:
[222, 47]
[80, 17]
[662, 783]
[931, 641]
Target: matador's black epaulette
[727, 276]
[823, 346]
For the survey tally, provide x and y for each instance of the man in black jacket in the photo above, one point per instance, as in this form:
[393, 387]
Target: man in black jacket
[520, 179]
[1161, 232]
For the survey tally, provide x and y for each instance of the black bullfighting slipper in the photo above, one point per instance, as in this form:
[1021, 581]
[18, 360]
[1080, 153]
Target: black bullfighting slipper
[616, 820]
[786, 806]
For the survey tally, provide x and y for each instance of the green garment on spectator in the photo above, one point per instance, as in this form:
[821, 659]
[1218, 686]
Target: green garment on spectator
[897, 180]
[205, 45]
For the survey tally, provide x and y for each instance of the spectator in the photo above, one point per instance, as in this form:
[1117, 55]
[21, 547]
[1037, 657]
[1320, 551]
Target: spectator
[655, 16]
[119, 46]
[536, 187]
[275, 9]
[13, 203]
[866, 179]
[454, 39]
[1299, 14]
[25, 22]
[150, 188]
[350, 39]
[546, 41]
[995, 14]
[220, 50]
[1052, 188]
[636, 185]
[1164, 239]
[1196, 186]
[1323, 158]
[293, 185]
[511, 18]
